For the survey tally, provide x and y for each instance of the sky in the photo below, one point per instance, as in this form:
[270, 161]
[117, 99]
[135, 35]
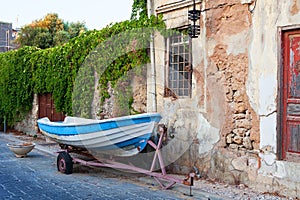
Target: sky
[95, 13]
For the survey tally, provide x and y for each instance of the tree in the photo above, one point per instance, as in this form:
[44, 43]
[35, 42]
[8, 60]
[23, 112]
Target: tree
[51, 22]
[61, 37]
[43, 39]
[75, 29]
[48, 32]
[34, 36]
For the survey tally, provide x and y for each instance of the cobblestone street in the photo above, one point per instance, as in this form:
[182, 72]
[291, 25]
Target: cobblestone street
[36, 177]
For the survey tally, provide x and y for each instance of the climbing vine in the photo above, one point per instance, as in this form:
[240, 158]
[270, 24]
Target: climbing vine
[68, 71]
[139, 9]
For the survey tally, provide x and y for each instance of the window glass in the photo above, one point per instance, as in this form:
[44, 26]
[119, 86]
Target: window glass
[180, 65]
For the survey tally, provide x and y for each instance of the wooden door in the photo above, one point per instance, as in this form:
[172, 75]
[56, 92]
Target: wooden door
[291, 96]
[47, 108]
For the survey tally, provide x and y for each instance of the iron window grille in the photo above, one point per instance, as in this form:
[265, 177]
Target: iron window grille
[179, 74]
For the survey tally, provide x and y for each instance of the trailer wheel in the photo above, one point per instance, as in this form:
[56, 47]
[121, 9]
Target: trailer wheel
[64, 163]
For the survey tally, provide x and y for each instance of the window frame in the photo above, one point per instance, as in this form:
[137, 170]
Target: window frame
[178, 80]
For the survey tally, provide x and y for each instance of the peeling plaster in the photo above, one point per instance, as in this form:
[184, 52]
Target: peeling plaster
[267, 94]
[268, 128]
[266, 169]
[281, 170]
[189, 124]
[288, 170]
[269, 158]
[247, 1]
[208, 136]
[236, 43]
[263, 57]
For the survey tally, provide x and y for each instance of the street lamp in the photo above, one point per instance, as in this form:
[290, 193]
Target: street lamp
[194, 16]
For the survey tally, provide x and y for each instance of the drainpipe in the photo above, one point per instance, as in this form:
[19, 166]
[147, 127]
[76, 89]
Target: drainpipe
[152, 81]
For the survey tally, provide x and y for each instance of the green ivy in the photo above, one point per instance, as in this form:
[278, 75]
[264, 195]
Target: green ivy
[139, 9]
[16, 86]
[68, 71]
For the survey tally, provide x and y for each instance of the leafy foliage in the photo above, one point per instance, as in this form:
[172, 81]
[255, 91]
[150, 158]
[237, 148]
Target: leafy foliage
[68, 71]
[139, 9]
[48, 32]
[16, 86]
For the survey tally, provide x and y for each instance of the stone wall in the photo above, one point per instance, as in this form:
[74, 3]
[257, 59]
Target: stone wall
[134, 85]
[219, 113]
[129, 96]
[29, 125]
[228, 127]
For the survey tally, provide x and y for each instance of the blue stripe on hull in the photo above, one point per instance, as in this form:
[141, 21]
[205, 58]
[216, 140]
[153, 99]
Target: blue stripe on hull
[140, 142]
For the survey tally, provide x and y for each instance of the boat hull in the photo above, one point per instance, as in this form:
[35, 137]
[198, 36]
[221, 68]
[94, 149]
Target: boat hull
[123, 136]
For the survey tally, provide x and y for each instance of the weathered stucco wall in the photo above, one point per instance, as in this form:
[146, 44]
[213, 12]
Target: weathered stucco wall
[29, 125]
[229, 125]
[264, 52]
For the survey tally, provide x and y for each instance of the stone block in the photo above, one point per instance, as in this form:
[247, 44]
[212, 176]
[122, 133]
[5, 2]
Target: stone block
[264, 183]
[252, 175]
[240, 108]
[238, 97]
[239, 131]
[238, 140]
[255, 145]
[253, 162]
[229, 138]
[243, 123]
[240, 163]
[247, 143]
[254, 136]
[234, 146]
[244, 179]
[228, 178]
[239, 116]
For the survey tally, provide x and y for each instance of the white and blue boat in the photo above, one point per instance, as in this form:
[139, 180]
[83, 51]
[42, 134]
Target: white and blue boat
[121, 136]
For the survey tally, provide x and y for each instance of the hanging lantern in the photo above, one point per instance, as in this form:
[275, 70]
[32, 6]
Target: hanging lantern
[194, 16]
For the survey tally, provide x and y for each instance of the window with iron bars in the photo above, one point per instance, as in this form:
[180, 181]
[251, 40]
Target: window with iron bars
[179, 75]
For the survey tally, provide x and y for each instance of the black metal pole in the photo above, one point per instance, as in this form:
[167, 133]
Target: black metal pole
[194, 4]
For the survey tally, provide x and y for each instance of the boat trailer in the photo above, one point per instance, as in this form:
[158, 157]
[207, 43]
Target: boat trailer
[65, 164]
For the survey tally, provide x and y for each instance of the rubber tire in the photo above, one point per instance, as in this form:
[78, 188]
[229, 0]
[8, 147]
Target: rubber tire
[64, 163]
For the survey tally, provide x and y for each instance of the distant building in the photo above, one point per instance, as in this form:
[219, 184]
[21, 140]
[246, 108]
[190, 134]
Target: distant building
[7, 36]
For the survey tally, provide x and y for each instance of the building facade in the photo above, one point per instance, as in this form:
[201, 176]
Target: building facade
[230, 97]
[7, 36]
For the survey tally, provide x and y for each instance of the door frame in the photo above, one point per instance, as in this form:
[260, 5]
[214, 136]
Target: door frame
[53, 115]
[281, 152]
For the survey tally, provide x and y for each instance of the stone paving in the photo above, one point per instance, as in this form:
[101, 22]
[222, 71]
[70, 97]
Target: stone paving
[38, 171]
[36, 177]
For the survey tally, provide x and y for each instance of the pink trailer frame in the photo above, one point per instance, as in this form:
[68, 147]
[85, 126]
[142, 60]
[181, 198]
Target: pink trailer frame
[159, 177]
